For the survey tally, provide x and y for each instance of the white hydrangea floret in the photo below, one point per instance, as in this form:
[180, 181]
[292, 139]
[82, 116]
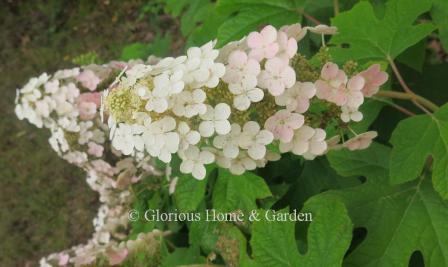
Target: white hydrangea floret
[215, 120]
[187, 136]
[229, 143]
[307, 142]
[189, 103]
[194, 161]
[255, 140]
[128, 138]
[160, 139]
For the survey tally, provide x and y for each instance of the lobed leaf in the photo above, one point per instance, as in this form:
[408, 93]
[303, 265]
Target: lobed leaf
[370, 37]
[399, 219]
[414, 140]
[273, 243]
[238, 192]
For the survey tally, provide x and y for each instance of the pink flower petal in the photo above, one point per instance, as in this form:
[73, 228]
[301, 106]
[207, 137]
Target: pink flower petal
[271, 50]
[116, 257]
[356, 83]
[329, 71]
[254, 40]
[269, 34]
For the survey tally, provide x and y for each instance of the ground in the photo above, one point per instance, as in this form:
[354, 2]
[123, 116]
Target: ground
[45, 203]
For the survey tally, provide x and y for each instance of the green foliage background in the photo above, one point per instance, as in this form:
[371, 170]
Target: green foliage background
[384, 206]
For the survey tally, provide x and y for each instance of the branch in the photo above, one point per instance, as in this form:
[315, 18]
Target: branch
[398, 107]
[416, 99]
[409, 96]
[336, 7]
[309, 17]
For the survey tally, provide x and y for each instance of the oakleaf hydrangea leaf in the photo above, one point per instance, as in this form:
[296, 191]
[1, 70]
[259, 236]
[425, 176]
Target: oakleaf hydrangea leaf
[183, 256]
[191, 192]
[414, 140]
[399, 219]
[222, 238]
[251, 14]
[370, 37]
[273, 243]
[317, 176]
[238, 192]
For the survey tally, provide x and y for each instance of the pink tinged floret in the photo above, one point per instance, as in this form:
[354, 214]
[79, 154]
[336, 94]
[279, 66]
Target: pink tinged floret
[354, 95]
[287, 46]
[332, 84]
[374, 78]
[88, 79]
[90, 97]
[295, 31]
[63, 259]
[283, 123]
[87, 110]
[277, 76]
[95, 149]
[329, 71]
[263, 44]
[116, 257]
[361, 141]
[88, 103]
[240, 68]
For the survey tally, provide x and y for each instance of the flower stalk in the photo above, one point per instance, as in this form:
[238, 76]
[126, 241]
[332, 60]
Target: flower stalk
[409, 96]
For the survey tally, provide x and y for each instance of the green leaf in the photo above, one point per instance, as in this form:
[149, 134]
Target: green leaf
[399, 219]
[414, 56]
[220, 237]
[160, 46]
[228, 6]
[370, 110]
[175, 7]
[414, 140]
[208, 28]
[439, 13]
[252, 14]
[273, 243]
[135, 51]
[191, 16]
[238, 192]
[183, 256]
[204, 233]
[190, 192]
[316, 177]
[330, 231]
[141, 225]
[370, 37]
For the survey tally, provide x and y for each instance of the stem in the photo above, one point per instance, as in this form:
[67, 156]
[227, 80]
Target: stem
[409, 96]
[309, 17]
[351, 130]
[419, 101]
[336, 7]
[398, 107]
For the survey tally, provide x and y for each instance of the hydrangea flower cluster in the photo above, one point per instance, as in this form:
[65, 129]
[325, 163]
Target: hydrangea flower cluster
[68, 104]
[240, 106]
